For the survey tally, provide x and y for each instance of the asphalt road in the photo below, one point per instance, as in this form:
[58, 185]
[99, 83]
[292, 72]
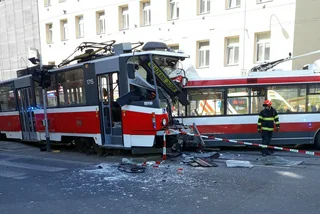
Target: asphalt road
[68, 182]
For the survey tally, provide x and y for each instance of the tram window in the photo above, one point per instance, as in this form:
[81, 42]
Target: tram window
[115, 86]
[289, 98]
[141, 71]
[71, 87]
[238, 101]
[7, 98]
[52, 97]
[205, 102]
[38, 93]
[110, 84]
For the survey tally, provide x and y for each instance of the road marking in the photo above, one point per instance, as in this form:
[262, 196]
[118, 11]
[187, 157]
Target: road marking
[31, 166]
[11, 174]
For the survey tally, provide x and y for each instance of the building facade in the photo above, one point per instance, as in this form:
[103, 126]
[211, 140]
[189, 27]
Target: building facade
[222, 37]
[19, 35]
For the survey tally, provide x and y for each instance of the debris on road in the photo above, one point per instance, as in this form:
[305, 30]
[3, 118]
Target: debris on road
[280, 161]
[130, 167]
[196, 161]
[238, 163]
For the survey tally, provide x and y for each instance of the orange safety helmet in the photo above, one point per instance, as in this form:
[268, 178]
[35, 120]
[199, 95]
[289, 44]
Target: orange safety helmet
[267, 103]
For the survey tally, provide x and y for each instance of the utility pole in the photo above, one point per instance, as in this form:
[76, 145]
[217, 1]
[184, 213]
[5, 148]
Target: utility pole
[44, 95]
[44, 89]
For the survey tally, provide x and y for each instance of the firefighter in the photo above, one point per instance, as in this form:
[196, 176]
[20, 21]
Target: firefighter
[267, 117]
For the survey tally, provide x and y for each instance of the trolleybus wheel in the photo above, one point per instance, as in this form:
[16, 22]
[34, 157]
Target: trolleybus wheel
[316, 142]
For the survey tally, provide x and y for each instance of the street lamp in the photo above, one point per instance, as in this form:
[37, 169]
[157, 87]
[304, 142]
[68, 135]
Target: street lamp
[284, 32]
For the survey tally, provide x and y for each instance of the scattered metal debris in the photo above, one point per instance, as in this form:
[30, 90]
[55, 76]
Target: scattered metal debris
[195, 159]
[238, 163]
[279, 161]
[131, 168]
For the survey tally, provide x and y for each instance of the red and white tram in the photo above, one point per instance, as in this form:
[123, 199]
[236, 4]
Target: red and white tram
[119, 99]
[229, 107]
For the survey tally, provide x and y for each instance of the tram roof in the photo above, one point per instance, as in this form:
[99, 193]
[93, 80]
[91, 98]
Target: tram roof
[14, 79]
[112, 57]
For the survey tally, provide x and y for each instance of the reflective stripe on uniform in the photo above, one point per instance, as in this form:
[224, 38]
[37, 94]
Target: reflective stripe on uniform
[268, 118]
[277, 123]
[267, 129]
[276, 117]
[260, 117]
[259, 124]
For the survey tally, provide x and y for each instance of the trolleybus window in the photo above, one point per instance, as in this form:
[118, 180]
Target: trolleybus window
[314, 98]
[258, 95]
[238, 100]
[7, 97]
[205, 102]
[289, 98]
[71, 87]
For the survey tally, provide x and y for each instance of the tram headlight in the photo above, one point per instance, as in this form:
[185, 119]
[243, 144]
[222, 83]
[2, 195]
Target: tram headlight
[164, 122]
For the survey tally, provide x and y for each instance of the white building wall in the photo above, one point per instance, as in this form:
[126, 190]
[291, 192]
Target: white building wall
[275, 16]
[19, 35]
[307, 28]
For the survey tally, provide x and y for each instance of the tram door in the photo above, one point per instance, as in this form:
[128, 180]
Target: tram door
[110, 110]
[27, 119]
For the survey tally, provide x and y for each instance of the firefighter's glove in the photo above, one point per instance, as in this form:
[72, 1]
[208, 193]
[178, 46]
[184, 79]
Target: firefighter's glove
[277, 129]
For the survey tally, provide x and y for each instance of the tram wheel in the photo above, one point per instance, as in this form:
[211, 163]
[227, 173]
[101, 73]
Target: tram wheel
[79, 145]
[97, 149]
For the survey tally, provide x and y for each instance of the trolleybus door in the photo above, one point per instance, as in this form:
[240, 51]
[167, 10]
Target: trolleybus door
[110, 111]
[27, 117]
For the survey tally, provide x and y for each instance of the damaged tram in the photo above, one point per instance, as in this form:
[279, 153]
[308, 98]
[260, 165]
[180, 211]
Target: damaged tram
[114, 96]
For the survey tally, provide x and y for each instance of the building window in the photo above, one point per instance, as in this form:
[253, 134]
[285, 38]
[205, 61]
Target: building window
[64, 30]
[232, 51]
[263, 47]
[47, 3]
[204, 6]
[146, 13]
[174, 9]
[79, 26]
[124, 18]
[101, 23]
[49, 33]
[204, 54]
[234, 3]
[60, 1]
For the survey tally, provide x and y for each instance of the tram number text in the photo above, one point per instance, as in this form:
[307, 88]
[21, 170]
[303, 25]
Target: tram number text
[148, 103]
[90, 82]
